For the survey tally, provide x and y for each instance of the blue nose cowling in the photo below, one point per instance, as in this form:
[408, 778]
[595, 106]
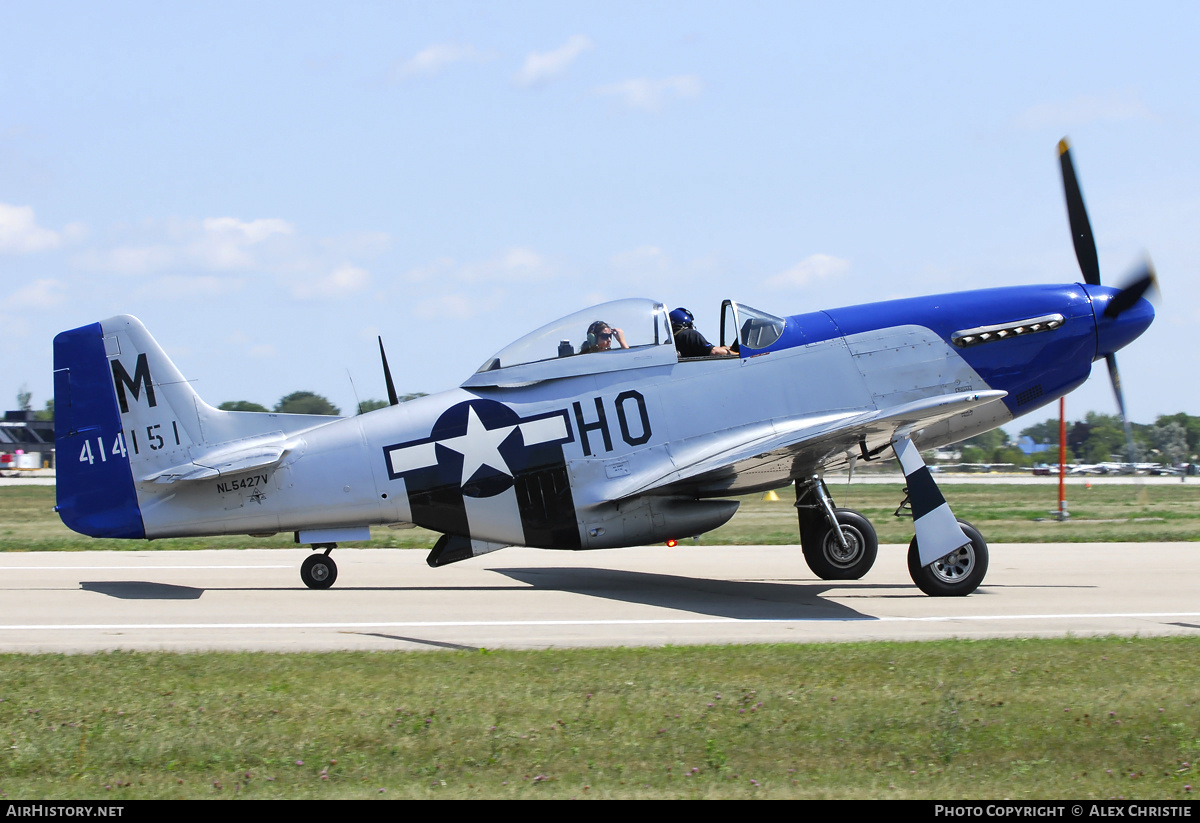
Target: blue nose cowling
[1114, 333]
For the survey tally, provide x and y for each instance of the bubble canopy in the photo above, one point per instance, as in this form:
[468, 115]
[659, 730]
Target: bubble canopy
[564, 343]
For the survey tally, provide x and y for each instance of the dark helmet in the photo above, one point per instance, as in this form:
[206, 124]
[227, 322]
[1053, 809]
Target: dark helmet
[681, 318]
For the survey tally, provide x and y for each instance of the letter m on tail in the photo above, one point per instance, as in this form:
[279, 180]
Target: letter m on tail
[140, 379]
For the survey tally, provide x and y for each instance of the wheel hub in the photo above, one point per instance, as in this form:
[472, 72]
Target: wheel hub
[843, 556]
[956, 565]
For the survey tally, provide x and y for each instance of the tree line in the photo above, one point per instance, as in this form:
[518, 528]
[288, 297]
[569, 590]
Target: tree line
[306, 402]
[298, 402]
[1171, 439]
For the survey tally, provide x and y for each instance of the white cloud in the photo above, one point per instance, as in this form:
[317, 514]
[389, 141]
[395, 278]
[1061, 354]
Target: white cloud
[343, 281]
[254, 231]
[128, 259]
[811, 268]
[1118, 105]
[440, 267]
[651, 264]
[650, 95]
[641, 258]
[447, 307]
[225, 242]
[211, 244]
[40, 294]
[20, 233]
[358, 243]
[434, 59]
[188, 287]
[516, 265]
[541, 67]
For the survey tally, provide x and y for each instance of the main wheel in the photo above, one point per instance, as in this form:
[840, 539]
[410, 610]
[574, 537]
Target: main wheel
[318, 571]
[955, 575]
[824, 553]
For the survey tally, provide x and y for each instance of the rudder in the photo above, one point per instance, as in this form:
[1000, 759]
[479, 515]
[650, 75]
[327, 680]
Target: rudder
[94, 482]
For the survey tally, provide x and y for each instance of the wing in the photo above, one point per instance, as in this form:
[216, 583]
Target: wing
[798, 446]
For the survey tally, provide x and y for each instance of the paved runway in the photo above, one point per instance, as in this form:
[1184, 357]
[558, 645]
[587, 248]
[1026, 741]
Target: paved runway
[523, 598]
[46, 478]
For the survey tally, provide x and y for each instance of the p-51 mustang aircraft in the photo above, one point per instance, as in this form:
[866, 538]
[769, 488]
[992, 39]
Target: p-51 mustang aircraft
[571, 439]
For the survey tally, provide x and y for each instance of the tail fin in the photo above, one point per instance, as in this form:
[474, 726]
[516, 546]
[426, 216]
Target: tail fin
[95, 490]
[125, 415]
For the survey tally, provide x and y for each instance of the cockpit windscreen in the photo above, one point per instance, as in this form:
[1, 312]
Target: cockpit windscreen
[609, 327]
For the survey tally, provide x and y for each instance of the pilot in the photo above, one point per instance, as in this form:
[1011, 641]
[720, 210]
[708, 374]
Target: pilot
[600, 336]
[691, 343]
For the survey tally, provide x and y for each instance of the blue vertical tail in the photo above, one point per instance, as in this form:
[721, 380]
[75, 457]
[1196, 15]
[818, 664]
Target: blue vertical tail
[96, 495]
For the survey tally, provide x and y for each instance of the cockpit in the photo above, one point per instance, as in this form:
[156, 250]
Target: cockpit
[622, 334]
[643, 323]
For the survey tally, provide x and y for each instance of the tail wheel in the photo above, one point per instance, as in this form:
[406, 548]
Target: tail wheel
[826, 556]
[318, 571]
[957, 574]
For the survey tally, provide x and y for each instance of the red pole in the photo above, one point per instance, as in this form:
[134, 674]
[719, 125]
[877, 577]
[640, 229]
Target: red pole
[1062, 458]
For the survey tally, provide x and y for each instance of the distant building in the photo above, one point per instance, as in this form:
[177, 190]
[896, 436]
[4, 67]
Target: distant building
[1026, 445]
[20, 431]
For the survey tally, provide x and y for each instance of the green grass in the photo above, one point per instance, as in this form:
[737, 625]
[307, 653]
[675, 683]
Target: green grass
[28, 522]
[1075, 718]
[1003, 513]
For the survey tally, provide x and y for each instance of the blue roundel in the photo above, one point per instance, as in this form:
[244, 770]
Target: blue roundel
[479, 447]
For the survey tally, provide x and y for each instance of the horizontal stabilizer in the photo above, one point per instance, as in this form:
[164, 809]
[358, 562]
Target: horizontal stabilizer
[233, 458]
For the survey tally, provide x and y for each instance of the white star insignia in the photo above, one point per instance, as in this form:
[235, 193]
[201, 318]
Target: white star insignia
[479, 446]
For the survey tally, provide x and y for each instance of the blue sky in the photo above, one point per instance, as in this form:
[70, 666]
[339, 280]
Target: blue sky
[270, 185]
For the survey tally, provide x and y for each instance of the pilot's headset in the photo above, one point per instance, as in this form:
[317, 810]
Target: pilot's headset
[593, 334]
[681, 318]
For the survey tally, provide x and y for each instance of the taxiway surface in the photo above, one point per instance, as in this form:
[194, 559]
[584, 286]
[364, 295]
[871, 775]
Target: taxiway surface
[525, 598]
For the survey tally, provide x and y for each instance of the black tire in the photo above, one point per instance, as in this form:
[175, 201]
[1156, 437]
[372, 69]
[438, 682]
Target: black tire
[955, 575]
[824, 553]
[318, 571]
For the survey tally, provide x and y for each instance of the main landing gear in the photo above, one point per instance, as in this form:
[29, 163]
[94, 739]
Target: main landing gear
[838, 544]
[841, 544]
[318, 571]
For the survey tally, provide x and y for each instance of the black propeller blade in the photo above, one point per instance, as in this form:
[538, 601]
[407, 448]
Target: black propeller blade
[387, 375]
[1120, 302]
[1081, 229]
[1115, 377]
[1128, 296]
[1089, 264]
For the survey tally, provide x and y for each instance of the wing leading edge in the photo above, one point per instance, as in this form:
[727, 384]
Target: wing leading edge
[806, 443]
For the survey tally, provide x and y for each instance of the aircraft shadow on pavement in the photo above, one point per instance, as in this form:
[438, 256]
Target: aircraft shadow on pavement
[141, 590]
[740, 599]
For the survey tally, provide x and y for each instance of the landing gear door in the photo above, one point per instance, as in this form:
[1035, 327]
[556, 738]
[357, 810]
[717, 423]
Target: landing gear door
[729, 323]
